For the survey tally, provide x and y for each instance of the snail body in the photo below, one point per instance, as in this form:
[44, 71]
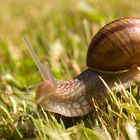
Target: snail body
[113, 56]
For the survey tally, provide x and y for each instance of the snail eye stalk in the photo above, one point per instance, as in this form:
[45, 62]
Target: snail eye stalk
[43, 69]
[49, 74]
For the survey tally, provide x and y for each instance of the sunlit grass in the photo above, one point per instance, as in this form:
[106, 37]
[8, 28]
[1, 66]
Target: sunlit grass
[59, 32]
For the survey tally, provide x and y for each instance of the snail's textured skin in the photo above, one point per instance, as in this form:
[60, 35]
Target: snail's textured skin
[115, 47]
[75, 97]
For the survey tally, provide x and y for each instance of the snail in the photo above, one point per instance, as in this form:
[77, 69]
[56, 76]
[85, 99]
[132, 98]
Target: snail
[113, 57]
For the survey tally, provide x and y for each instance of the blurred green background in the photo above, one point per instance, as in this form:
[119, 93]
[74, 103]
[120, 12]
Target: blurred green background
[60, 32]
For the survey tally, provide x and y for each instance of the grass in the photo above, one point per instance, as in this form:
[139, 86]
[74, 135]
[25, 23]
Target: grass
[59, 32]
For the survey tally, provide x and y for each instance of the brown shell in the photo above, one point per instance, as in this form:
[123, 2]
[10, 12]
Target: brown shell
[116, 46]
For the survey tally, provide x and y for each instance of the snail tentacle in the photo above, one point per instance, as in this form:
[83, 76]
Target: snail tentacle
[43, 69]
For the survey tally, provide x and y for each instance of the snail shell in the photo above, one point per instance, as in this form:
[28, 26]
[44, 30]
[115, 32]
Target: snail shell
[116, 47]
